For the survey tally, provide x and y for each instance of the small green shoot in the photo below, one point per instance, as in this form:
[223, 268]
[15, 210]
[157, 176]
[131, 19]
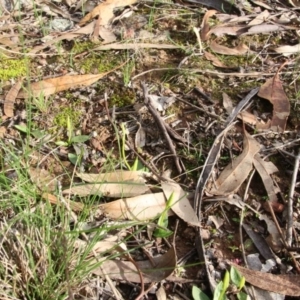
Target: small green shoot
[72, 139]
[162, 230]
[231, 278]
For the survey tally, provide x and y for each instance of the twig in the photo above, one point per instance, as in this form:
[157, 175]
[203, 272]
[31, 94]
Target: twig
[289, 233]
[162, 126]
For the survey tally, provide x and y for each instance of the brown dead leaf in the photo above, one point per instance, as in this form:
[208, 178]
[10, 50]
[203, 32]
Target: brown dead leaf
[248, 117]
[265, 169]
[259, 19]
[105, 11]
[234, 30]
[54, 85]
[43, 179]
[263, 29]
[288, 50]
[2, 131]
[143, 207]
[205, 25]
[227, 103]
[236, 172]
[241, 49]
[181, 207]
[157, 270]
[117, 176]
[282, 284]
[273, 91]
[75, 206]
[215, 61]
[10, 99]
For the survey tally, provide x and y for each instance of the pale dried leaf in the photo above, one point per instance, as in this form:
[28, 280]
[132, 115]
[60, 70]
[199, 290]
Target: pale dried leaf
[117, 46]
[105, 11]
[140, 137]
[2, 131]
[43, 179]
[273, 91]
[288, 50]
[264, 169]
[117, 176]
[111, 190]
[157, 270]
[263, 28]
[215, 61]
[10, 99]
[161, 293]
[54, 85]
[227, 103]
[181, 207]
[248, 117]
[205, 24]
[236, 172]
[282, 284]
[274, 239]
[75, 206]
[261, 18]
[241, 49]
[143, 207]
[221, 30]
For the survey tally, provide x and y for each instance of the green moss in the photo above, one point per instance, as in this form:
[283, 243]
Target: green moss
[122, 98]
[61, 118]
[13, 68]
[80, 47]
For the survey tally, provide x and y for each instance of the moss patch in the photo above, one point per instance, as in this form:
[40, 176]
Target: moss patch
[13, 68]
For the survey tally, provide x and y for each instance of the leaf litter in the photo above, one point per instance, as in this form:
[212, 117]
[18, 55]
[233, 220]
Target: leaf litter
[99, 95]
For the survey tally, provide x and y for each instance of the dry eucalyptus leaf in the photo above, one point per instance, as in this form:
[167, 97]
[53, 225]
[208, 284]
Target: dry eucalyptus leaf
[43, 179]
[181, 207]
[237, 172]
[143, 207]
[265, 168]
[205, 24]
[51, 86]
[241, 49]
[261, 18]
[10, 99]
[288, 50]
[273, 91]
[105, 11]
[282, 284]
[156, 270]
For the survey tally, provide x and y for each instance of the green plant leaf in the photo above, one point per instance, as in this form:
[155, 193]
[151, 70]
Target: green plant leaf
[226, 282]
[218, 291]
[242, 296]
[62, 143]
[80, 138]
[237, 278]
[73, 158]
[198, 294]
[22, 128]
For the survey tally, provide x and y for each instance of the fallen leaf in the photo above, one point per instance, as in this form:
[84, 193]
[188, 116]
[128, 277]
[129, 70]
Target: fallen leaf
[288, 50]
[234, 30]
[237, 172]
[143, 207]
[51, 86]
[274, 239]
[227, 103]
[10, 99]
[117, 46]
[181, 207]
[117, 176]
[205, 25]
[263, 28]
[105, 11]
[215, 61]
[241, 49]
[2, 131]
[43, 179]
[273, 91]
[265, 169]
[157, 270]
[261, 18]
[248, 118]
[282, 284]
[75, 206]
[111, 190]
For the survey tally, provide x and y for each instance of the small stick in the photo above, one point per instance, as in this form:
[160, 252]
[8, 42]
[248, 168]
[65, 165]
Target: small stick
[162, 126]
[289, 232]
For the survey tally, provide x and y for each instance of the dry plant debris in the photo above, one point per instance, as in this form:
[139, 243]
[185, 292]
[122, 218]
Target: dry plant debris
[116, 115]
